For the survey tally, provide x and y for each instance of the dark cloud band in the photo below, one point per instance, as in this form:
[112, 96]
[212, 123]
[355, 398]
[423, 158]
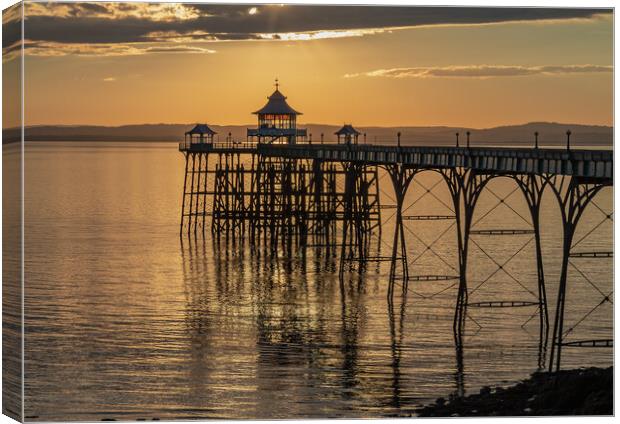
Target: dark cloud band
[236, 21]
[133, 24]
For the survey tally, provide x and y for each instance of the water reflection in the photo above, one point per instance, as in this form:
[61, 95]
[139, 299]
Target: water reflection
[352, 309]
[199, 312]
[459, 374]
[288, 303]
[396, 333]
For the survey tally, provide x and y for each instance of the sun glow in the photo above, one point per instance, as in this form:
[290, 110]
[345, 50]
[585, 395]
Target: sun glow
[318, 35]
[202, 62]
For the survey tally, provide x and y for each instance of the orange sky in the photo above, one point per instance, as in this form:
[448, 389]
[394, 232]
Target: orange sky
[90, 65]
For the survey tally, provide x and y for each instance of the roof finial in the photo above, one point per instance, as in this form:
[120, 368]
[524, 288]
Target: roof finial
[277, 83]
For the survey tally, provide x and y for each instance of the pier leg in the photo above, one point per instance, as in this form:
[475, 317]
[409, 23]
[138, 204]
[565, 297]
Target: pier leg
[465, 186]
[573, 195]
[254, 201]
[533, 187]
[359, 216]
[401, 179]
[184, 195]
[217, 199]
[191, 216]
[205, 191]
[197, 193]
[378, 203]
[349, 188]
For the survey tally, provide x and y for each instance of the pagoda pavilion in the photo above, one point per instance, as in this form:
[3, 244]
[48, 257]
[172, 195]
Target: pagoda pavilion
[201, 133]
[347, 134]
[277, 121]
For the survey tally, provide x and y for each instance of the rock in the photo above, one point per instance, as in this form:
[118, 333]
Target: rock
[569, 392]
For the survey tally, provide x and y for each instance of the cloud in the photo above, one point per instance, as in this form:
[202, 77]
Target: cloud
[482, 71]
[178, 49]
[158, 12]
[12, 14]
[129, 24]
[11, 32]
[109, 79]
[12, 51]
[317, 35]
[106, 49]
[51, 49]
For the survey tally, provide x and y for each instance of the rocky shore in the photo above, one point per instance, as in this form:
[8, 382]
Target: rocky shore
[586, 391]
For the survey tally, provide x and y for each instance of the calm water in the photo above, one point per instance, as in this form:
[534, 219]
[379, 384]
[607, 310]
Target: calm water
[124, 321]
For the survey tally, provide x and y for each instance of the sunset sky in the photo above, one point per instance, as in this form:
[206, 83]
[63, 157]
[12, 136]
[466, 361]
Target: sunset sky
[130, 63]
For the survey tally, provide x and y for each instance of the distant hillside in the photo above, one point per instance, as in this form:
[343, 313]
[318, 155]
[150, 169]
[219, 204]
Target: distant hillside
[550, 134]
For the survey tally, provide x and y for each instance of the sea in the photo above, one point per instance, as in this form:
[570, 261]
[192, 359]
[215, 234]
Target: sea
[126, 320]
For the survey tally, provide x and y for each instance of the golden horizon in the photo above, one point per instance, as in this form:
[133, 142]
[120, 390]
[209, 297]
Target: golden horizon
[379, 66]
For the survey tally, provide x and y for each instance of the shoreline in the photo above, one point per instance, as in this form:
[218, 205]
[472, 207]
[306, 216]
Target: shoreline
[583, 391]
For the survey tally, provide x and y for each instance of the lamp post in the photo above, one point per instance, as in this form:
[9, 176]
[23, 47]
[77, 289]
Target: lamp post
[468, 139]
[321, 138]
[398, 135]
[536, 139]
[457, 139]
[568, 133]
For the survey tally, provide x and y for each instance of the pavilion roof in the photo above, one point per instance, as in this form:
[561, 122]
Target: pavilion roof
[347, 129]
[201, 129]
[277, 106]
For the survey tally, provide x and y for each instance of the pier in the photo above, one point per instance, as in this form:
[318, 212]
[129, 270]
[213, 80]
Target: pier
[279, 189]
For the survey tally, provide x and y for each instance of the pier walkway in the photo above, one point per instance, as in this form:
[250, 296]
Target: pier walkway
[575, 162]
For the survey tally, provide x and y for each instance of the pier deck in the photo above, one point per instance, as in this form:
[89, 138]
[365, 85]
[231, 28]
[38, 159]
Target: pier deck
[576, 162]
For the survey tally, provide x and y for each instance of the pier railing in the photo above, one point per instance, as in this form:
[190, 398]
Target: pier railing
[218, 146]
[578, 162]
[582, 163]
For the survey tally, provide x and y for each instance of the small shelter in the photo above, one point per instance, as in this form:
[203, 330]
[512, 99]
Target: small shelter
[348, 134]
[201, 133]
[277, 120]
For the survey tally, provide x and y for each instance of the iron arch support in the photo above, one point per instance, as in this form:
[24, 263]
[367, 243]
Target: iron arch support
[533, 187]
[465, 186]
[573, 195]
[401, 178]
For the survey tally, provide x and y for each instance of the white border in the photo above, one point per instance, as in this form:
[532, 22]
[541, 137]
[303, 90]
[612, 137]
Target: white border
[487, 3]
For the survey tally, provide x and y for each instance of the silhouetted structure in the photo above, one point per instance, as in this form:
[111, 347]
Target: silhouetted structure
[287, 194]
[277, 121]
[201, 133]
[347, 134]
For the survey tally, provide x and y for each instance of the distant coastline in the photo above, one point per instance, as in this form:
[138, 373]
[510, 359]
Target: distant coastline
[550, 134]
